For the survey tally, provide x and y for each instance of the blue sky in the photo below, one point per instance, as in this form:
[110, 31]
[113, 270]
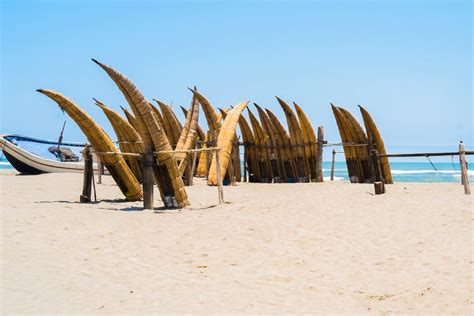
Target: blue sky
[408, 62]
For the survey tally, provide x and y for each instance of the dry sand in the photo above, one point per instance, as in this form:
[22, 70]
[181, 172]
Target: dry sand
[304, 248]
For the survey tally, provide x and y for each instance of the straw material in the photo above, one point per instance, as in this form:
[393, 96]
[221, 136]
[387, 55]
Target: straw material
[201, 135]
[201, 170]
[235, 154]
[287, 158]
[275, 153]
[168, 178]
[348, 150]
[158, 117]
[296, 140]
[170, 123]
[131, 119]
[262, 151]
[201, 160]
[374, 136]
[309, 139]
[100, 142]
[212, 118]
[135, 100]
[188, 135]
[129, 139]
[250, 151]
[359, 137]
[225, 141]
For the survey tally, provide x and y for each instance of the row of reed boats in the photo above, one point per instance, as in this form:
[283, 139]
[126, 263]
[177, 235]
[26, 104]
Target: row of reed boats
[272, 153]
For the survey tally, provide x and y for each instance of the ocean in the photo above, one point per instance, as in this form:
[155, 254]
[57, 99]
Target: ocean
[419, 171]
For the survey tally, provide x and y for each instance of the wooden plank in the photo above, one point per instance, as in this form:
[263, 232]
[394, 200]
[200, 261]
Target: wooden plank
[463, 163]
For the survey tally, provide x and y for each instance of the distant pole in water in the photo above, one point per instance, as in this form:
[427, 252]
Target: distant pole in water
[332, 164]
[60, 140]
[463, 163]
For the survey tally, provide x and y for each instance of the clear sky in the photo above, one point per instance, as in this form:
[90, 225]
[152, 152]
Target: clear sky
[408, 62]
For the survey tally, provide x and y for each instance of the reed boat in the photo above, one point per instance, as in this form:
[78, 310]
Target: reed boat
[275, 158]
[310, 141]
[101, 143]
[168, 179]
[297, 143]
[225, 141]
[374, 137]
[31, 156]
[250, 152]
[262, 152]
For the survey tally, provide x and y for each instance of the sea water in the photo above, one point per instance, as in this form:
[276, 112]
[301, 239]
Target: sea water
[409, 171]
[414, 171]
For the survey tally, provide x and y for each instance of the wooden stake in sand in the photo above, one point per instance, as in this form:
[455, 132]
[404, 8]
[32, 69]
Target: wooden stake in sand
[100, 170]
[332, 164]
[319, 156]
[88, 171]
[219, 176]
[379, 185]
[463, 163]
[193, 166]
[147, 175]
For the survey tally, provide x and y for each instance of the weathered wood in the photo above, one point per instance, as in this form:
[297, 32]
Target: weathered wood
[193, 167]
[230, 172]
[245, 169]
[319, 155]
[147, 177]
[100, 170]
[379, 187]
[88, 172]
[463, 163]
[219, 177]
[332, 164]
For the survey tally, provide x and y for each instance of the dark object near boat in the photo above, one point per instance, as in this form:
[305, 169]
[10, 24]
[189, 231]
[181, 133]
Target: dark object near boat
[63, 154]
[30, 155]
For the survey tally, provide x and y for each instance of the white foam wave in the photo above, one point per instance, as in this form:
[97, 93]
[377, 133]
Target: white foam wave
[422, 171]
[2, 163]
[335, 178]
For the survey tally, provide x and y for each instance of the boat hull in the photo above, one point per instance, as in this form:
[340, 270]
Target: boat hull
[28, 163]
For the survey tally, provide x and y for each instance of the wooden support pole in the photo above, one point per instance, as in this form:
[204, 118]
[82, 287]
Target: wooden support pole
[147, 178]
[230, 170]
[100, 170]
[319, 155]
[193, 167]
[379, 185]
[463, 163]
[332, 164]
[88, 172]
[245, 169]
[219, 177]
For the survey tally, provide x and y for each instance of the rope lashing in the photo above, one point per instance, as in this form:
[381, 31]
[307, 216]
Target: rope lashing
[428, 157]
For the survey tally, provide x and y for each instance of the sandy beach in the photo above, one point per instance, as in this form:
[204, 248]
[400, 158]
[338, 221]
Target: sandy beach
[297, 248]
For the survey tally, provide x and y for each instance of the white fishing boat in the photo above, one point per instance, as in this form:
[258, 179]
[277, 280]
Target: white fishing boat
[30, 155]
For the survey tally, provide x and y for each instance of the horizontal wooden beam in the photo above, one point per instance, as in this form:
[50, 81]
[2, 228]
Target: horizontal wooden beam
[451, 153]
